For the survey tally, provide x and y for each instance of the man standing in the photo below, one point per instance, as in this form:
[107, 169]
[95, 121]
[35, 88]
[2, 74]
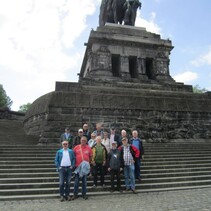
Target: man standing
[82, 152]
[86, 131]
[99, 130]
[115, 163]
[99, 161]
[77, 139]
[129, 154]
[65, 162]
[115, 137]
[66, 136]
[136, 142]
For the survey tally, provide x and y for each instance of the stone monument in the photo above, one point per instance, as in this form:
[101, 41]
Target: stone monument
[124, 82]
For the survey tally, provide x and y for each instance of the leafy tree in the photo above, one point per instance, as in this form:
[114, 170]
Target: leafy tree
[198, 89]
[5, 101]
[24, 107]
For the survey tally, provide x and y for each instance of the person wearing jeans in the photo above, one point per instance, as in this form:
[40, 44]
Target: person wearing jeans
[129, 154]
[65, 162]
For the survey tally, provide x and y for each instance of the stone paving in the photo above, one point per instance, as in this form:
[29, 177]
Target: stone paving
[196, 199]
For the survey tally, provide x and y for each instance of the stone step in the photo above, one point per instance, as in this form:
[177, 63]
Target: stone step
[25, 158]
[26, 162]
[146, 160]
[167, 162]
[146, 163]
[27, 170]
[55, 190]
[175, 155]
[28, 174]
[55, 182]
[27, 166]
[52, 156]
[144, 167]
[172, 170]
[97, 193]
[23, 178]
[176, 166]
[161, 159]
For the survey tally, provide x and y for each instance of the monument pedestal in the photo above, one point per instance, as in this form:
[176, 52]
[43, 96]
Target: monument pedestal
[124, 82]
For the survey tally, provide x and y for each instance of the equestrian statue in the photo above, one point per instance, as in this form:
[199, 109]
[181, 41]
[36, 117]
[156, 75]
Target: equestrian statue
[118, 11]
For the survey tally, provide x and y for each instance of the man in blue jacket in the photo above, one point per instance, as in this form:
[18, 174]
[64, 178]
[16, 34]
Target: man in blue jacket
[65, 162]
[136, 142]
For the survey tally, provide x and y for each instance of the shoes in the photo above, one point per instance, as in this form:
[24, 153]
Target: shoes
[139, 179]
[85, 197]
[69, 198]
[134, 191]
[62, 198]
[103, 186]
[120, 190]
[94, 186]
[127, 189]
[74, 197]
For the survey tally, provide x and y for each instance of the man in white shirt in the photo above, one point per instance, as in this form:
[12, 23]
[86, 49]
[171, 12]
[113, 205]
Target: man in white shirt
[65, 162]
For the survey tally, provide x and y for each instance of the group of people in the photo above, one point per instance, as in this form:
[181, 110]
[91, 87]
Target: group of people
[98, 153]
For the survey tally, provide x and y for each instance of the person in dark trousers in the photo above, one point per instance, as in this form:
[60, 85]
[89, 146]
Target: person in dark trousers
[136, 142]
[99, 161]
[115, 165]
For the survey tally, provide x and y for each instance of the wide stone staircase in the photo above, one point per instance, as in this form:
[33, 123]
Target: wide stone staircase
[27, 171]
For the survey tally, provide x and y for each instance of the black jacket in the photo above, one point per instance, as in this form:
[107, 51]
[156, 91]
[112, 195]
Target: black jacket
[115, 160]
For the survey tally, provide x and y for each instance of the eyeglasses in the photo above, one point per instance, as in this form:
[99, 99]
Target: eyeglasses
[64, 144]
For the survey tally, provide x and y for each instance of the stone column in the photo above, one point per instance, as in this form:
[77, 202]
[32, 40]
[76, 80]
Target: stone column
[124, 67]
[141, 68]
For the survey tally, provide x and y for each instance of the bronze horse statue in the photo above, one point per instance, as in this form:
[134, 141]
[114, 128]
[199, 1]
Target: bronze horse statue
[118, 11]
[130, 13]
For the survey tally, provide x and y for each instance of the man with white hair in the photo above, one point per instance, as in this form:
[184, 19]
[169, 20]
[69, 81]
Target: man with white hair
[65, 162]
[136, 142]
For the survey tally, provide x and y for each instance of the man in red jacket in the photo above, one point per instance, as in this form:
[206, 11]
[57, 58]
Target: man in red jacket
[82, 152]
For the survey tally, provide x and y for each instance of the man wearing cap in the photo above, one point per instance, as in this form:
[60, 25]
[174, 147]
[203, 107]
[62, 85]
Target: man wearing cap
[83, 153]
[65, 162]
[129, 154]
[77, 139]
[115, 163]
[66, 136]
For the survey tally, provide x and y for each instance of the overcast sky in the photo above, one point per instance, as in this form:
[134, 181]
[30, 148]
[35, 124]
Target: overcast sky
[42, 41]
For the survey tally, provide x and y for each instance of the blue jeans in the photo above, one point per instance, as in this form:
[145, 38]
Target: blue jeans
[129, 176]
[137, 168]
[76, 185]
[64, 181]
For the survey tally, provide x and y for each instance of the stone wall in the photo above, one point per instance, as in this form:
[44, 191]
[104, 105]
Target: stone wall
[157, 115]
